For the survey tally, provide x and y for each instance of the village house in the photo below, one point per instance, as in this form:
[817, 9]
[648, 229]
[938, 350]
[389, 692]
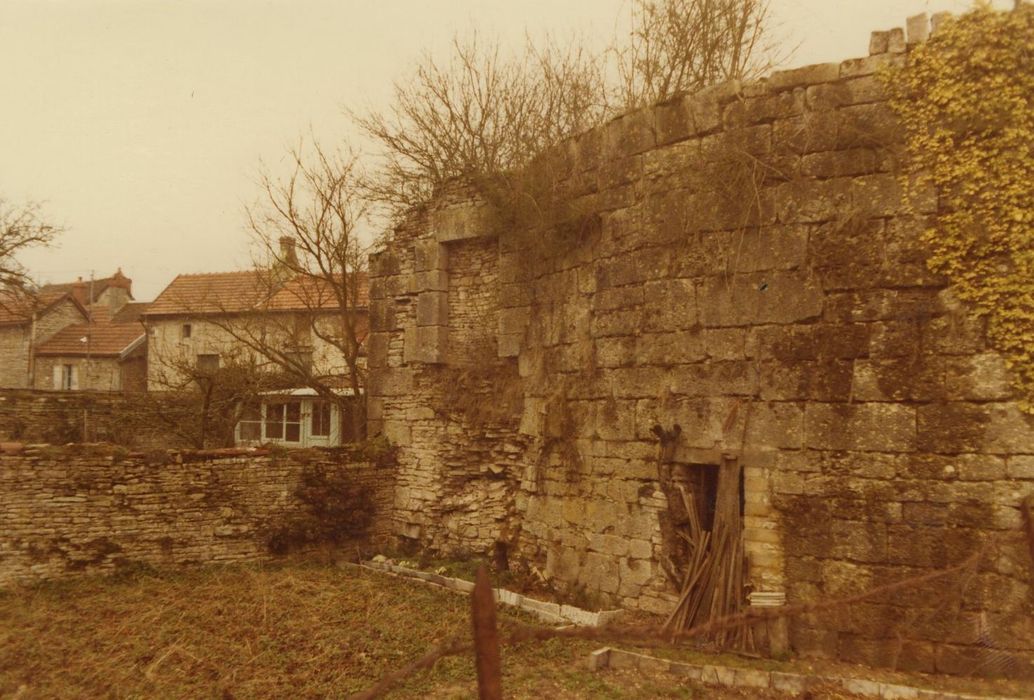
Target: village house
[76, 336]
[105, 353]
[203, 322]
[26, 320]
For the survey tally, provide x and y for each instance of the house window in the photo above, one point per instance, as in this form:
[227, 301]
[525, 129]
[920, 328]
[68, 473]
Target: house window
[250, 423]
[66, 377]
[284, 421]
[185, 331]
[320, 419]
[208, 364]
[300, 361]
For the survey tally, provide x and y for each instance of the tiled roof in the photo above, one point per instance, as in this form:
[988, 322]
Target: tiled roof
[131, 312]
[81, 288]
[100, 339]
[218, 292]
[17, 308]
[237, 292]
[307, 293]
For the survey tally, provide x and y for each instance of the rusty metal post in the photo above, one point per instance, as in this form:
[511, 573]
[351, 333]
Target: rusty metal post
[486, 638]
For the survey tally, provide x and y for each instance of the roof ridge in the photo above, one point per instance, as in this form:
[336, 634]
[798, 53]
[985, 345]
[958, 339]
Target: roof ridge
[212, 274]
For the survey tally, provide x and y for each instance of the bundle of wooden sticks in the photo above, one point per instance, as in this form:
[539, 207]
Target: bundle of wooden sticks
[713, 580]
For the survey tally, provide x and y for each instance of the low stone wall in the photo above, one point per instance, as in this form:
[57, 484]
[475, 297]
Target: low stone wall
[83, 509]
[60, 417]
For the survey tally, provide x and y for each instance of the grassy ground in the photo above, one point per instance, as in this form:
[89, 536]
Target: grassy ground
[294, 630]
[291, 630]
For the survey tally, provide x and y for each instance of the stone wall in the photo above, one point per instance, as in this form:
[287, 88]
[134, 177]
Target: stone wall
[75, 509]
[74, 416]
[739, 263]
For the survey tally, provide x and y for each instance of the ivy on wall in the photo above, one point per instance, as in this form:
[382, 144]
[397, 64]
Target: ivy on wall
[966, 101]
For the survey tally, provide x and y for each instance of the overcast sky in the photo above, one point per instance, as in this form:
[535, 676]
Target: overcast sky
[141, 125]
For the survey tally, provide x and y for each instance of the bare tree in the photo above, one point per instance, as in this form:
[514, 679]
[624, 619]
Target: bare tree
[310, 319]
[201, 405]
[479, 114]
[20, 228]
[684, 45]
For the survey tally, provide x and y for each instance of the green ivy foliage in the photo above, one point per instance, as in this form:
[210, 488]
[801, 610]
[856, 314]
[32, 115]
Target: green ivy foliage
[965, 100]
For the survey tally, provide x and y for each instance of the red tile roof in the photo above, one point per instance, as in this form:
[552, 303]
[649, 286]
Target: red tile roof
[218, 292]
[308, 293]
[250, 290]
[17, 308]
[81, 288]
[100, 339]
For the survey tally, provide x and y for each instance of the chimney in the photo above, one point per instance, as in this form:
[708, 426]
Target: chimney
[288, 254]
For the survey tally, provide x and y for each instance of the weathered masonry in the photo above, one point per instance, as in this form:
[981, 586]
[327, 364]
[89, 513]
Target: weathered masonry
[75, 509]
[739, 263]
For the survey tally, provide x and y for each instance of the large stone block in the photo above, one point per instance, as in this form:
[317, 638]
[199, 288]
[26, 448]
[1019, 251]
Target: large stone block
[777, 297]
[377, 349]
[670, 349]
[463, 221]
[855, 91]
[428, 281]
[916, 378]
[430, 255]
[869, 426]
[670, 305]
[432, 309]
[808, 75]
[395, 381]
[382, 315]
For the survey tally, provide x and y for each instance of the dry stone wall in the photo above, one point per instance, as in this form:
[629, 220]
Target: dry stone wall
[74, 509]
[743, 265]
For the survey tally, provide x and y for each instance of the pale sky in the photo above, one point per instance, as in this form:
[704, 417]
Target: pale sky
[141, 125]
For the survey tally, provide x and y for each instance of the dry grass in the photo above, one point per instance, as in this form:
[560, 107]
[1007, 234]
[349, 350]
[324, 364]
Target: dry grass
[293, 629]
[290, 630]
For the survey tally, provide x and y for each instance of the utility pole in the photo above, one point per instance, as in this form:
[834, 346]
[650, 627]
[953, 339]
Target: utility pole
[86, 365]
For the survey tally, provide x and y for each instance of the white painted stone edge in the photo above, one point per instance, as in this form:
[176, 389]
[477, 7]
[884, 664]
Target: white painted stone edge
[710, 674]
[545, 611]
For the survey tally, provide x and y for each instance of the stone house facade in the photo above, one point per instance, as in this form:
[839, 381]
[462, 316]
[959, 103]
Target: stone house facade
[739, 263]
[203, 322]
[27, 321]
[64, 337]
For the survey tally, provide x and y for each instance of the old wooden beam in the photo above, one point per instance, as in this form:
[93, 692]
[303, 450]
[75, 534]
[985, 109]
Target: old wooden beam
[486, 638]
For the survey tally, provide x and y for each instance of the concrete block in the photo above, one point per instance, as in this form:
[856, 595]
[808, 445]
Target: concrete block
[599, 660]
[582, 618]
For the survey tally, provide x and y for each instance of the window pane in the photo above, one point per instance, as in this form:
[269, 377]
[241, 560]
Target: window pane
[293, 432]
[275, 412]
[274, 430]
[251, 412]
[294, 412]
[251, 430]
[320, 418]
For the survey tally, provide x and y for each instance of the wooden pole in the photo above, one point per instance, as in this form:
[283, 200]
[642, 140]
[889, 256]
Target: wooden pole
[486, 638]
